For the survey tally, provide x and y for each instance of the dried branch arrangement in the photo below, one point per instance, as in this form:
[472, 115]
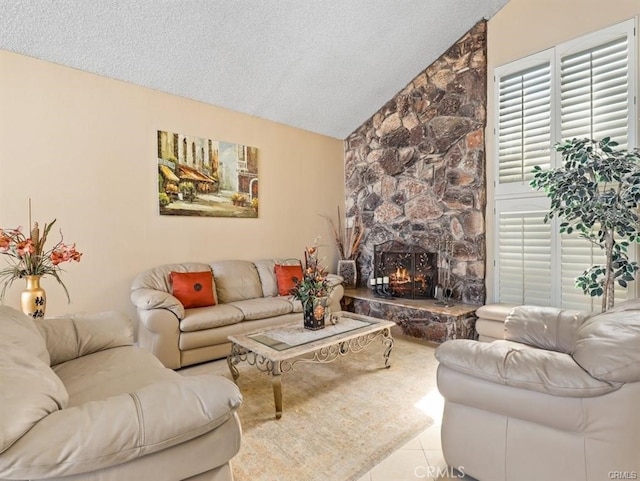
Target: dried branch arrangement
[348, 235]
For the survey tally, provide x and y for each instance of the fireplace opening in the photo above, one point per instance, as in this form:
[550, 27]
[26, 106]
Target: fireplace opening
[410, 271]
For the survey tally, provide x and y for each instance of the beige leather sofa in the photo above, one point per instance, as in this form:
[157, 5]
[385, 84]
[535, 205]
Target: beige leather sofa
[247, 300]
[79, 402]
[556, 400]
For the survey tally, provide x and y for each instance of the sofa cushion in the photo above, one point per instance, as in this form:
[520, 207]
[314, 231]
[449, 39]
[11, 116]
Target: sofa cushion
[193, 289]
[111, 372]
[30, 391]
[267, 276]
[263, 307]
[608, 345]
[206, 338]
[21, 331]
[287, 277]
[236, 280]
[209, 317]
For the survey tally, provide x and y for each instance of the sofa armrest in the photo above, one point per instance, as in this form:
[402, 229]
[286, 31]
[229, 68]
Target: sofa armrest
[147, 298]
[519, 366]
[159, 332]
[334, 280]
[71, 336]
[544, 327]
[120, 428]
[337, 292]
[495, 312]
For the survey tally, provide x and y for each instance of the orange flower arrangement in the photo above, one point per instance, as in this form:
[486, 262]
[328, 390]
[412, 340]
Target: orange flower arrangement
[27, 256]
[314, 278]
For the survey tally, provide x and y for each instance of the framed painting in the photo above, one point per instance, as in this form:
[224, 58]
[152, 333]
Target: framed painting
[206, 178]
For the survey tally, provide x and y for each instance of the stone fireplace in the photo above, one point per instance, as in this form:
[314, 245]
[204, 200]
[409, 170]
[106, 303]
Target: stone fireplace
[415, 173]
[410, 271]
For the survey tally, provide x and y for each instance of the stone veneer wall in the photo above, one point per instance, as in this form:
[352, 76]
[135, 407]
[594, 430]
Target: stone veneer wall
[415, 170]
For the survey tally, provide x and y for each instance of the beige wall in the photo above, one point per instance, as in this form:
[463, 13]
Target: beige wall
[524, 27]
[83, 147]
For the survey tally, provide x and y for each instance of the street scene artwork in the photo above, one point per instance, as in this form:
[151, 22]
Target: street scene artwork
[206, 178]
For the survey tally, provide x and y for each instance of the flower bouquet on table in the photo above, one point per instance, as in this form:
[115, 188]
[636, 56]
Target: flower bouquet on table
[28, 259]
[313, 289]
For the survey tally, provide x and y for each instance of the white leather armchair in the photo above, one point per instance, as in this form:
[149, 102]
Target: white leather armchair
[80, 402]
[558, 399]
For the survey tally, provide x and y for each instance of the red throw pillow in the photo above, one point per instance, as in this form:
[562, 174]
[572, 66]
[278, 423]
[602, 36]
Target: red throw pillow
[287, 278]
[193, 289]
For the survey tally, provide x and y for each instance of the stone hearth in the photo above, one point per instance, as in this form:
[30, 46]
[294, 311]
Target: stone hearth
[422, 318]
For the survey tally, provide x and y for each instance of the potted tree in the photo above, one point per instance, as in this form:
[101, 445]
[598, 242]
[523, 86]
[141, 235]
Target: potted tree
[596, 192]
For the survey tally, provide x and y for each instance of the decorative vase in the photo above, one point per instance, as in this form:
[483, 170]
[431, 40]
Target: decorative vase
[348, 271]
[33, 299]
[314, 311]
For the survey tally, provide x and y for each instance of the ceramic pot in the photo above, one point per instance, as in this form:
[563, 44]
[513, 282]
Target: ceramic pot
[314, 313]
[33, 299]
[349, 272]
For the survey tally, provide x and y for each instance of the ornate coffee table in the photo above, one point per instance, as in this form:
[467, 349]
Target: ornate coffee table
[277, 350]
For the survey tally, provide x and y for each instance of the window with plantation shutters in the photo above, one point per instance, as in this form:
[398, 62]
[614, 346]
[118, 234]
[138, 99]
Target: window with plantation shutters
[524, 123]
[594, 92]
[583, 88]
[524, 258]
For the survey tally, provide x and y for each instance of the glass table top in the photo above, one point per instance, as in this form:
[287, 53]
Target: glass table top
[287, 337]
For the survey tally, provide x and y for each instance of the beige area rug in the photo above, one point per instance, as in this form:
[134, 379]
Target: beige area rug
[339, 419]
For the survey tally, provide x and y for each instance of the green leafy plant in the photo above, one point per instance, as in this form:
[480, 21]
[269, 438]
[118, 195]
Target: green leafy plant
[596, 193]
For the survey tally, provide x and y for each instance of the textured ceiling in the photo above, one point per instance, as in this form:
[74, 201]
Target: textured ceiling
[324, 66]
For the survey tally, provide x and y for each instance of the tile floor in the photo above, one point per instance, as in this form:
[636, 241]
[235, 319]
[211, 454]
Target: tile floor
[421, 458]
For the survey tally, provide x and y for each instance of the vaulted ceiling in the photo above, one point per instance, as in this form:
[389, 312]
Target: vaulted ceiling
[324, 66]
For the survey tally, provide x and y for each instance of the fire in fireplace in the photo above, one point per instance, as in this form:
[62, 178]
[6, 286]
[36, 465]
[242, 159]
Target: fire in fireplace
[412, 272]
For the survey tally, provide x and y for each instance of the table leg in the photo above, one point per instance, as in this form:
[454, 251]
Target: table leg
[276, 381]
[232, 360]
[387, 340]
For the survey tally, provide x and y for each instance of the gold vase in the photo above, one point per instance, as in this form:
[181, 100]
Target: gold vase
[33, 299]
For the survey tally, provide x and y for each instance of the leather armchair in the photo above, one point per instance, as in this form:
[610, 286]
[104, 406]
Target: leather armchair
[557, 399]
[80, 402]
